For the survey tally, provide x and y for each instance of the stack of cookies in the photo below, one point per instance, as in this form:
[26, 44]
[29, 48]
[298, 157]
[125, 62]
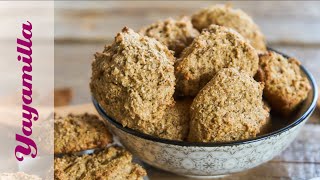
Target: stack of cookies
[204, 78]
[75, 134]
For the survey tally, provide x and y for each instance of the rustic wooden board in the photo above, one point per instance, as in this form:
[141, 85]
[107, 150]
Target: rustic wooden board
[284, 21]
[300, 161]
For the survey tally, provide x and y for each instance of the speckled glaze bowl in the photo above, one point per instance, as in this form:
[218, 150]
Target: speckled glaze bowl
[213, 159]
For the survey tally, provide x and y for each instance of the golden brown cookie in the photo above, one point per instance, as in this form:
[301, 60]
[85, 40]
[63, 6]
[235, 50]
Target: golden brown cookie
[177, 119]
[110, 164]
[217, 47]
[266, 125]
[174, 125]
[285, 86]
[224, 15]
[228, 108]
[75, 133]
[175, 34]
[133, 79]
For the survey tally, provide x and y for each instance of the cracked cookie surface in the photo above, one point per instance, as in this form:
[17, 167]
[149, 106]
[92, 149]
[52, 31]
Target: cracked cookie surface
[113, 163]
[217, 47]
[176, 34]
[228, 108]
[224, 15]
[74, 133]
[285, 86]
[174, 125]
[133, 79]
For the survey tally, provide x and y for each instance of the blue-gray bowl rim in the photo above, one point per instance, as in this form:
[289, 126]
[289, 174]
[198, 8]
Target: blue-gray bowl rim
[305, 115]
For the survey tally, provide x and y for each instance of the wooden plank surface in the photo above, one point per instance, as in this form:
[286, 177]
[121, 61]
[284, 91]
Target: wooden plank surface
[300, 161]
[284, 21]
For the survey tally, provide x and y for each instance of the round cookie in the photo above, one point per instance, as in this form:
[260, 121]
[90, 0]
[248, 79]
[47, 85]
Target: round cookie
[224, 15]
[228, 108]
[133, 79]
[175, 34]
[285, 86]
[217, 47]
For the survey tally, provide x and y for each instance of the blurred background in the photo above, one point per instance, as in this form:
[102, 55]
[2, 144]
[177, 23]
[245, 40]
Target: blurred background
[83, 28]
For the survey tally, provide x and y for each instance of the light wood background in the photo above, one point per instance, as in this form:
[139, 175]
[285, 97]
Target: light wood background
[82, 28]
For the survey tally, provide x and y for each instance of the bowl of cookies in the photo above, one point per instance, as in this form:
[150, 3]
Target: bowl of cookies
[201, 95]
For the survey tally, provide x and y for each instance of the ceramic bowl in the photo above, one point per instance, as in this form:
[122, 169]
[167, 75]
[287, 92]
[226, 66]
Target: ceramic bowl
[213, 159]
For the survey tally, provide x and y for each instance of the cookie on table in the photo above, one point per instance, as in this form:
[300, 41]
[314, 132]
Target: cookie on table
[176, 34]
[285, 86]
[74, 133]
[225, 15]
[228, 108]
[109, 164]
[215, 48]
[133, 79]
[174, 125]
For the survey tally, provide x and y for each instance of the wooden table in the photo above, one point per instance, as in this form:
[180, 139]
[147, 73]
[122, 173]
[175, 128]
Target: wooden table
[82, 28]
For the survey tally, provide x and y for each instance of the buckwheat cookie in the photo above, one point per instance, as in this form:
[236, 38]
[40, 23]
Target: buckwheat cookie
[217, 47]
[74, 133]
[176, 121]
[133, 79]
[285, 86]
[110, 164]
[228, 108]
[266, 125]
[224, 15]
[174, 125]
[175, 34]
